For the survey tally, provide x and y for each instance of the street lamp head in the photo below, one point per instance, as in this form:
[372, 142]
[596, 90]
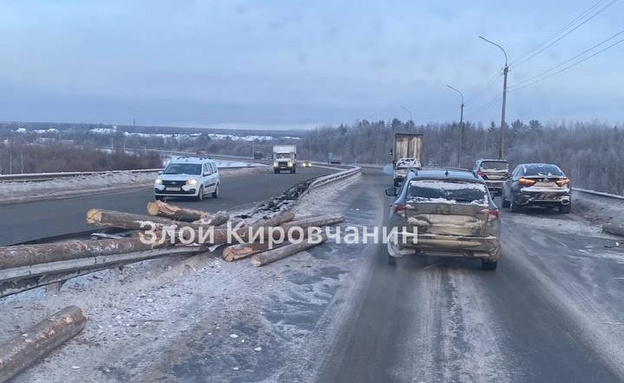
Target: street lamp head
[493, 43]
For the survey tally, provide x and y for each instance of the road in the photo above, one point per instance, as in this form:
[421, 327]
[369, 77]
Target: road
[552, 312]
[51, 218]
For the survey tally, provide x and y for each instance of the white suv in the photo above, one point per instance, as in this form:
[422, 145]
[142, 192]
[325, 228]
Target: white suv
[188, 177]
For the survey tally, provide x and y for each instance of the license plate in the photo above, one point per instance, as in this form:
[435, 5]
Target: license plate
[173, 188]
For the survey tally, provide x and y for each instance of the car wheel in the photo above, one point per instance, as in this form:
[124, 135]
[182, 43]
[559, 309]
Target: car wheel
[396, 183]
[215, 193]
[159, 198]
[294, 171]
[504, 201]
[565, 209]
[513, 206]
[488, 265]
[200, 195]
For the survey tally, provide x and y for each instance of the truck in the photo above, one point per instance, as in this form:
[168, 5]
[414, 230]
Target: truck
[406, 155]
[284, 158]
[334, 158]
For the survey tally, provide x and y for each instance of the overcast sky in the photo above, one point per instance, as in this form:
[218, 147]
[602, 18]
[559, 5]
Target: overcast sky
[300, 63]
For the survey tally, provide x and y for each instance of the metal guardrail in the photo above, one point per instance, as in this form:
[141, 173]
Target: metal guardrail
[601, 194]
[324, 180]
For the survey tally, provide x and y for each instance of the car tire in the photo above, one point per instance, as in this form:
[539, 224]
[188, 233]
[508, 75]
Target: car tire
[391, 260]
[488, 265]
[565, 209]
[396, 183]
[275, 171]
[159, 198]
[200, 194]
[504, 201]
[215, 193]
[294, 171]
[513, 206]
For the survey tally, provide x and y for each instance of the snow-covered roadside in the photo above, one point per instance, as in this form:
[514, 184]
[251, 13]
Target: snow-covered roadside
[19, 192]
[174, 319]
[598, 209]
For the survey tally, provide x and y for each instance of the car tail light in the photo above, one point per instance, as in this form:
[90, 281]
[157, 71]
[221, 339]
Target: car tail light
[492, 213]
[399, 210]
[563, 181]
[483, 175]
[526, 182]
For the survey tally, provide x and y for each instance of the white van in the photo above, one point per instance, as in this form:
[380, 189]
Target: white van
[194, 177]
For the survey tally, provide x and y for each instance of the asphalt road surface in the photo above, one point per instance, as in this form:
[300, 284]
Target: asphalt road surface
[552, 312]
[29, 221]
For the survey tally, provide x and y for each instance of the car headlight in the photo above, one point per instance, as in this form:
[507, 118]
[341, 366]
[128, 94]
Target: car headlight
[158, 181]
[191, 182]
[275, 164]
[290, 164]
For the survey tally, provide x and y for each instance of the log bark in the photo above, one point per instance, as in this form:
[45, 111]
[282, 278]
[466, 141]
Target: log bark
[38, 341]
[613, 228]
[174, 212]
[216, 219]
[283, 252]
[26, 255]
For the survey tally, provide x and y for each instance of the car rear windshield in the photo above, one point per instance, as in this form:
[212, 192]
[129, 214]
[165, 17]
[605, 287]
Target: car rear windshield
[447, 192]
[494, 165]
[408, 163]
[542, 170]
[192, 169]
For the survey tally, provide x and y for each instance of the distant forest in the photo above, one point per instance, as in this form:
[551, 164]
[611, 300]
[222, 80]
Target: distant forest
[591, 153]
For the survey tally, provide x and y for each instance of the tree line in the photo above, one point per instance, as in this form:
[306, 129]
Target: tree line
[590, 153]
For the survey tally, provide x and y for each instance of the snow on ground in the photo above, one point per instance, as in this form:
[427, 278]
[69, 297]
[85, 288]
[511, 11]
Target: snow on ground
[17, 192]
[179, 319]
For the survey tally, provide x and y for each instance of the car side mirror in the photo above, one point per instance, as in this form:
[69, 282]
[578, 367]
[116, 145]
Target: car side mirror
[207, 173]
[392, 192]
[160, 172]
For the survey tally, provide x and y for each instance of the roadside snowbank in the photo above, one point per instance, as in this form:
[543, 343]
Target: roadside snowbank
[19, 192]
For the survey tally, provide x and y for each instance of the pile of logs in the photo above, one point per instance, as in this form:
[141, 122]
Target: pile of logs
[230, 233]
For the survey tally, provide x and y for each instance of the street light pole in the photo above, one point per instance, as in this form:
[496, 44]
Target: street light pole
[501, 152]
[461, 125]
[408, 111]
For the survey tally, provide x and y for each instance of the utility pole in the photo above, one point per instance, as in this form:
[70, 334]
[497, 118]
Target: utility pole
[461, 125]
[501, 152]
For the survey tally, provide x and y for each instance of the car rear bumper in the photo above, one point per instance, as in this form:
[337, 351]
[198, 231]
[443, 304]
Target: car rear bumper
[451, 245]
[494, 186]
[543, 198]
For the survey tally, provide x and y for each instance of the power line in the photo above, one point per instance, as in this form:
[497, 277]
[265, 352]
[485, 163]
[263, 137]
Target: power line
[567, 61]
[569, 66]
[578, 18]
[568, 25]
[486, 106]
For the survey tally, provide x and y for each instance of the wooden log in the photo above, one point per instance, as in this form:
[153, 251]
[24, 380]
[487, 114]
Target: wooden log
[216, 219]
[316, 221]
[284, 251]
[220, 235]
[27, 255]
[174, 212]
[613, 228]
[239, 251]
[38, 341]
[111, 218]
